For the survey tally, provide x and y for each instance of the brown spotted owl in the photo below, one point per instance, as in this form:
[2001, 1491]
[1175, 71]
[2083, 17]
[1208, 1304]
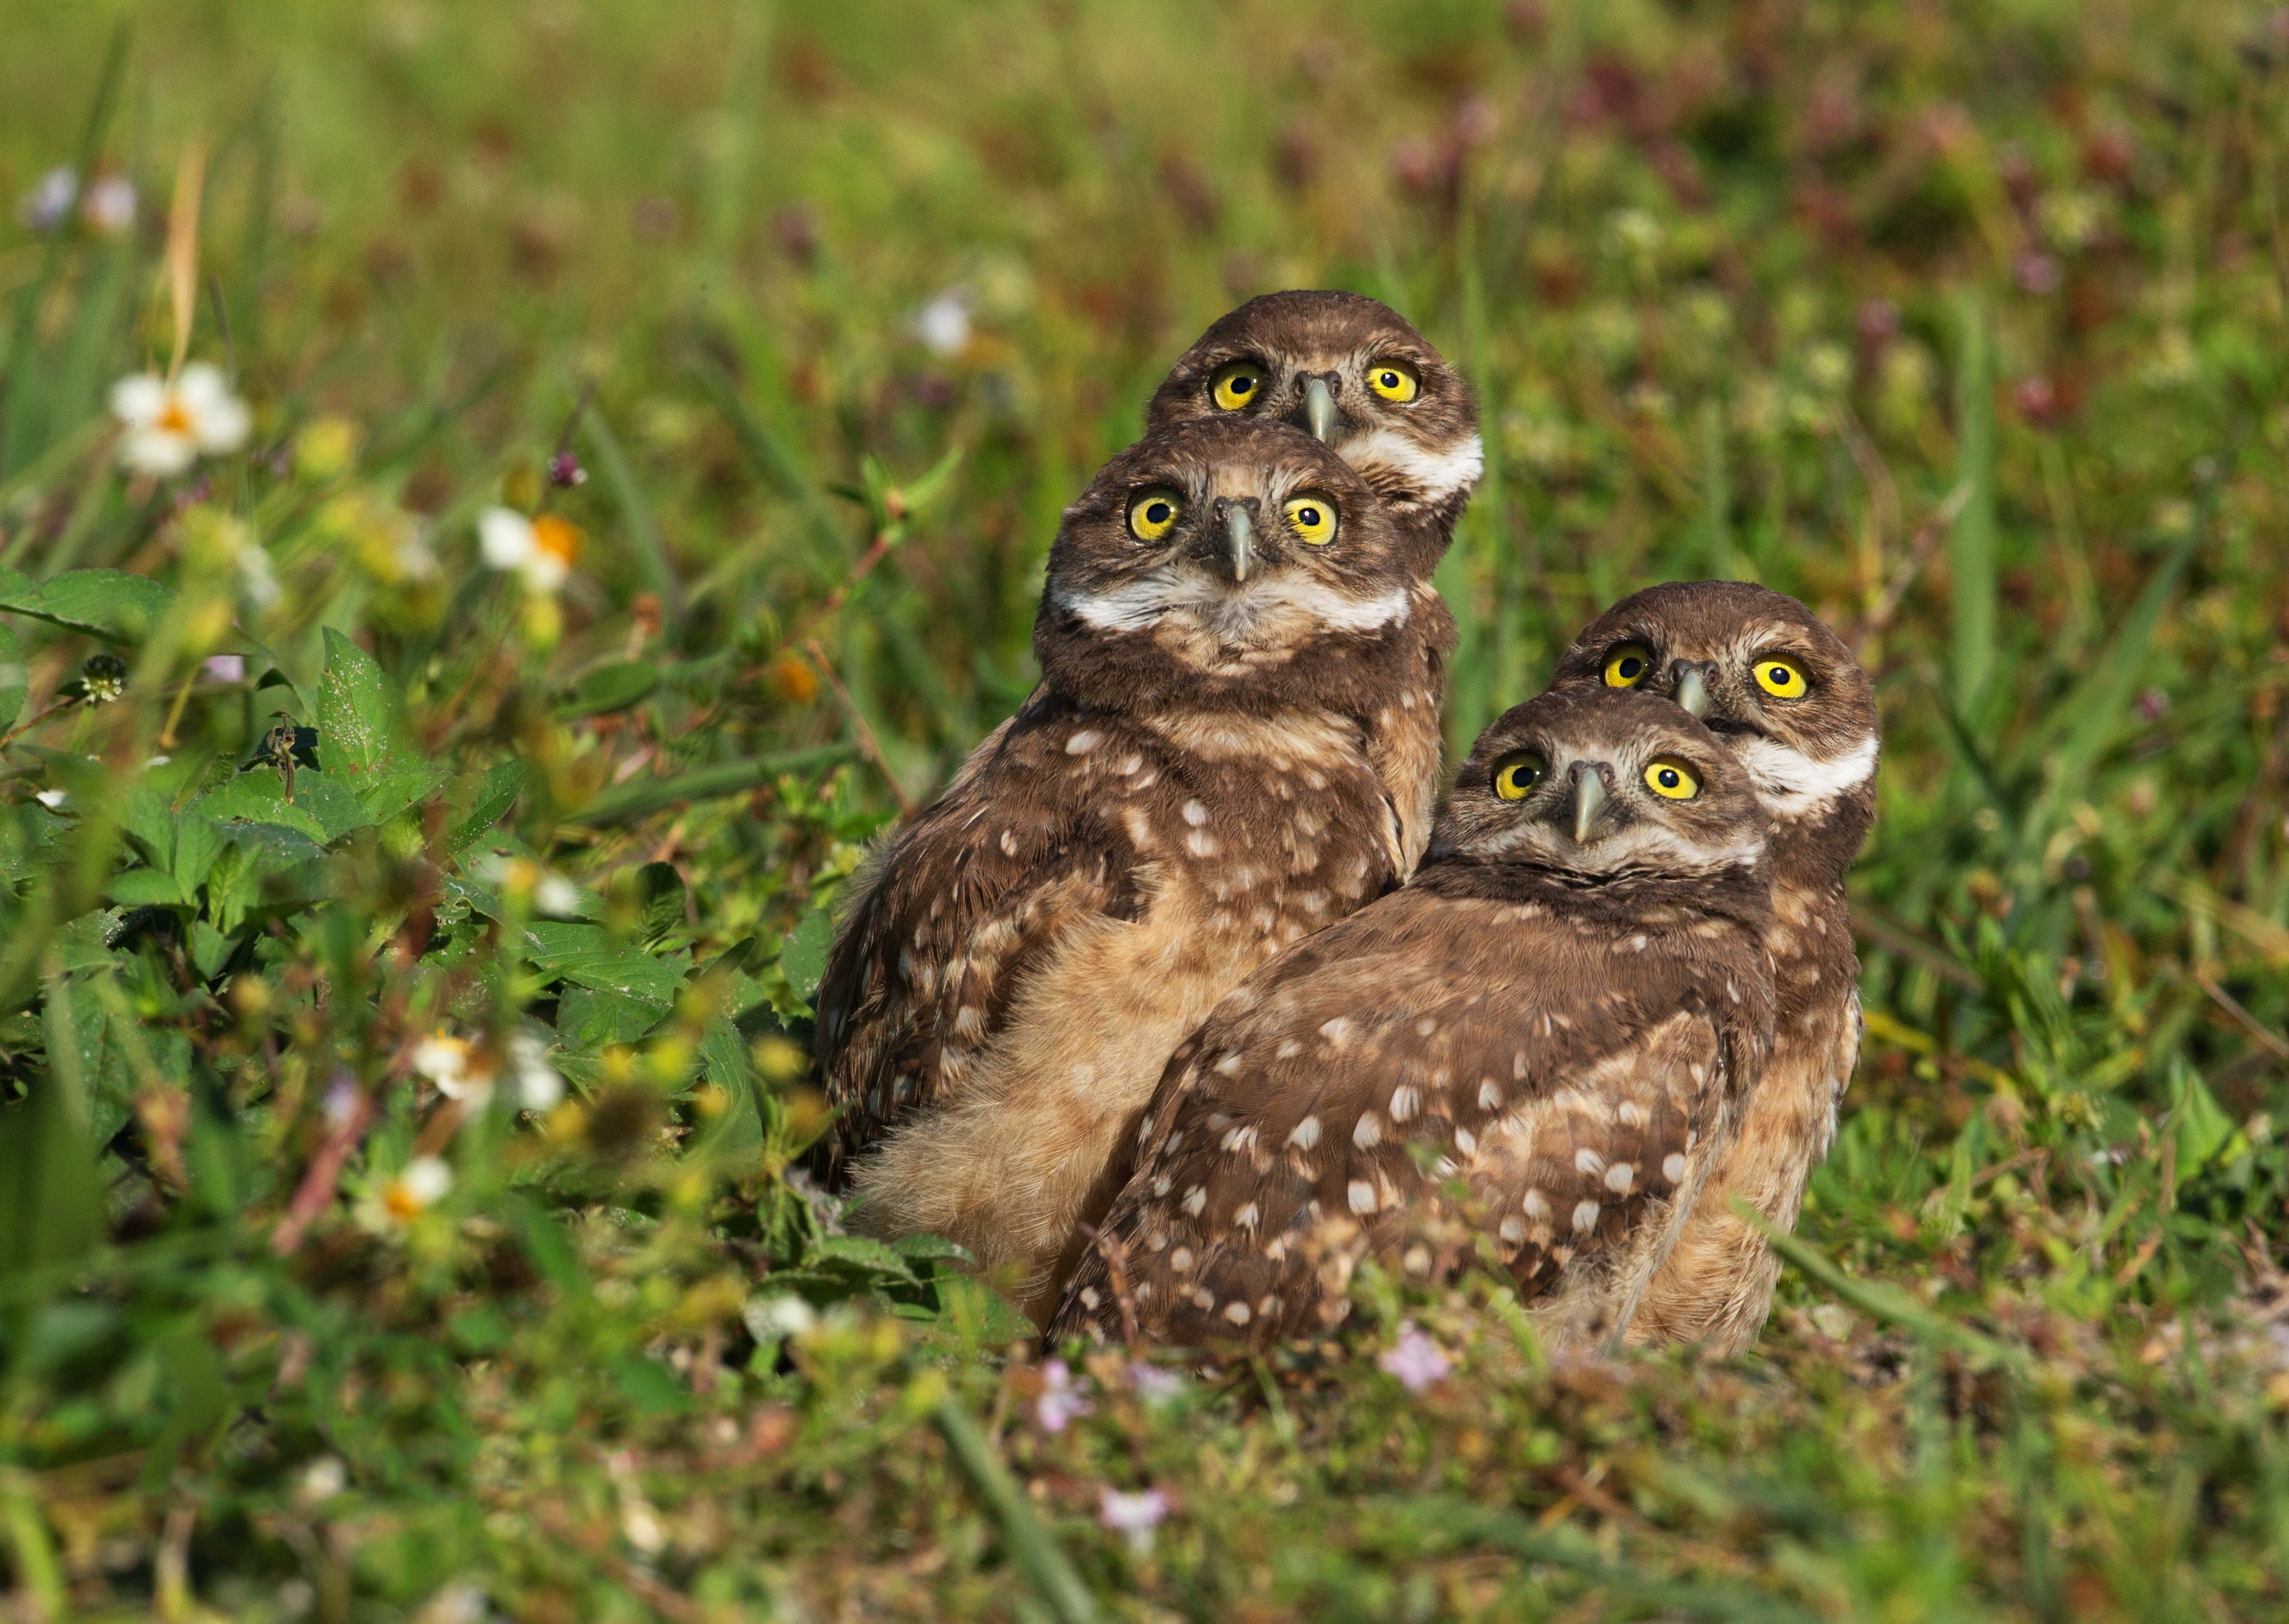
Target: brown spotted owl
[1189, 791]
[1533, 1053]
[1354, 374]
[1786, 695]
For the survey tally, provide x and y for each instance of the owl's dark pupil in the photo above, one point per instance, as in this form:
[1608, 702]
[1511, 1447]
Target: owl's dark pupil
[1156, 512]
[1669, 777]
[1243, 386]
[1631, 667]
[1391, 380]
[1308, 515]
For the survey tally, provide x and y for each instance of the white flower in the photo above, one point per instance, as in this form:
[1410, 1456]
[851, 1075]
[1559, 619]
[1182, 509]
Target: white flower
[170, 425]
[539, 550]
[1152, 1384]
[55, 800]
[422, 1185]
[48, 205]
[556, 896]
[537, 1085]
[459, 1071]
[1137, 1516]
[944, 323]
[226, 667]
[771, 1319]
[110, 206]
[461, 1602]
[324, 1478]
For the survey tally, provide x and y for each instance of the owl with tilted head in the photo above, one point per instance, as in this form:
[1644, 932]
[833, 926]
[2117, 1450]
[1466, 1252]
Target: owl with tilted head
[1353, 374]
[1530, 1056]
[1797, 711]
[1189, 791]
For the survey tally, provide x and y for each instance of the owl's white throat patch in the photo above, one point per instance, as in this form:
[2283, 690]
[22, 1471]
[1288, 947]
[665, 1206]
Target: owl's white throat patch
[1792, 784]
[1276, 604]
[1430, 476]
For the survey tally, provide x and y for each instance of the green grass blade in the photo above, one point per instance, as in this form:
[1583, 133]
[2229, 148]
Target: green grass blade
[1033, 1552]
[652, 562]
[1971, 545]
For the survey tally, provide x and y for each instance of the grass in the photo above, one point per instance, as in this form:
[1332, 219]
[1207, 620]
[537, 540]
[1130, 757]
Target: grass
[1964, 323]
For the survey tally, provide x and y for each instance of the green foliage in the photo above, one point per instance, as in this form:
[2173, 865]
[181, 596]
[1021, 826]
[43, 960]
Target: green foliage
[406, 960]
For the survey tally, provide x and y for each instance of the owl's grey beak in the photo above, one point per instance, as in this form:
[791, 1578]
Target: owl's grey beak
[1693, 692]
[1238, 540]
[1319, 409]
[1588, 800]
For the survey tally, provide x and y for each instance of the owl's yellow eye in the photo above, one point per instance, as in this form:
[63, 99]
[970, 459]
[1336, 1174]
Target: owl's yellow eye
[1237, 386]
[1782, 679]
[1153, 514]
[1394, 380]
[1313, 521]
[1672, 779]
[1627, 665]
[1517, 774]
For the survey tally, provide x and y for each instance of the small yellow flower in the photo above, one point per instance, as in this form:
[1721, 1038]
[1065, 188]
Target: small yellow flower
[792, 679]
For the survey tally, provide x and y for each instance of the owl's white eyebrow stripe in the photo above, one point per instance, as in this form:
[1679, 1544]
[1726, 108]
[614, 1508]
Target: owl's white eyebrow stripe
[1436, 474]
[1791, 784]
[1139, 604]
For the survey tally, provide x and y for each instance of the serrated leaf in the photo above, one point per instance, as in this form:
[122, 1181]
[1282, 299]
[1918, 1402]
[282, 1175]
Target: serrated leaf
[85, 943]
[210, 948]
[323, 807]
[109, 603]
[589, 1019]
[859, 1254]
[588, 956]
[496, 792]
[612, 688]
[358, 724]
[198, 842]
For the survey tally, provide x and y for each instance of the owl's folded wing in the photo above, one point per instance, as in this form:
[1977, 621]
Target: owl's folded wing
[1433, 1071]
[950, 920]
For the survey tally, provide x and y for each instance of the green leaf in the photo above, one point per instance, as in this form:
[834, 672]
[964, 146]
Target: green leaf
[50, 1202]
[2202, 1128]
[83, 944]
[109, 603]
[648, 1385]
[359, 726]
[496, 792]
[589, 1019]
[145, 888]
[612, 688]
[802, 956]
[588, 956]
[323, 807]
[860, 1256]
[210, 948]
[15, 678]
[198, 842]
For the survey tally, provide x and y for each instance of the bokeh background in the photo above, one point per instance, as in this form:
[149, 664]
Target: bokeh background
[1964, 322]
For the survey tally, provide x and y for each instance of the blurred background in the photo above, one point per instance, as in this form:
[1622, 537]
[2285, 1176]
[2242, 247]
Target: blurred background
[1964, 322]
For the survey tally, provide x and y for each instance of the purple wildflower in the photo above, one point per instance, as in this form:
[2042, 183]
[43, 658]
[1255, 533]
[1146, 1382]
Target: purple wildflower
[1060, 1403]
[1415, 1360]
[226, 667]
[564, 470]
[1152, 1384]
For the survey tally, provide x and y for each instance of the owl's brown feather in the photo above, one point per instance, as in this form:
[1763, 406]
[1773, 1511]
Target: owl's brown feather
[1189, 791]
[1549, 1059]
[1814, 761]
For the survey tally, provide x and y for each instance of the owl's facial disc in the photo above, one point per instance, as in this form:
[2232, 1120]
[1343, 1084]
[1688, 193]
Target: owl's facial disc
[1779, 688]
[1600, 785]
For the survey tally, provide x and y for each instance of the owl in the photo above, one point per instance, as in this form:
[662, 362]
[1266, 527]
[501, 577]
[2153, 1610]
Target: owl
[1354, 374]
[1532, 1054]
[1796, 710]
[1187, 792]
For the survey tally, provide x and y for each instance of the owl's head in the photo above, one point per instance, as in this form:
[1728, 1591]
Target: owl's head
[1353, 374]
[1223, 560]
[1600, 785]
[1765, 676]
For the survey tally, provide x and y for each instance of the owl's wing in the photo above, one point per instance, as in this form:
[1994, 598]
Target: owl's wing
[1456, 1070]
[952, 915]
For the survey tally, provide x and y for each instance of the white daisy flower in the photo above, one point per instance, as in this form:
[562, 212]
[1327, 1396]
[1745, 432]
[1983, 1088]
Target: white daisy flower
[170, 425]
[48, 205]
[459, 1071]
[540, 550]
[420, 1186]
